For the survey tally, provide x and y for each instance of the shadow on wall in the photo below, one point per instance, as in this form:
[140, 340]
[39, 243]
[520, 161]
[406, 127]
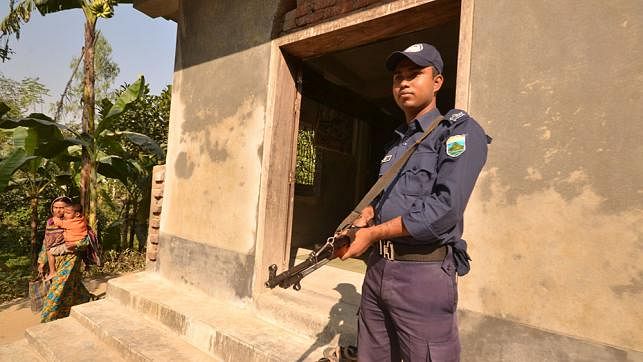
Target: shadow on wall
[211, 37]
[486, 338]
[341, 321]
[220, 108]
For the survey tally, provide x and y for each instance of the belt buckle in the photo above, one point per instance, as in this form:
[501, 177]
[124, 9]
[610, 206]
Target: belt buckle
[386, 250]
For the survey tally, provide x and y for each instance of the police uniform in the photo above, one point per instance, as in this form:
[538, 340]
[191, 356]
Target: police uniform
[409, 295]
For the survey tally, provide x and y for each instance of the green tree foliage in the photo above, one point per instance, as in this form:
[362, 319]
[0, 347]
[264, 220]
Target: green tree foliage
[149, 115]
[306, 162]
[20, 13]
[106, 71]
[21, 96]
[124, 157]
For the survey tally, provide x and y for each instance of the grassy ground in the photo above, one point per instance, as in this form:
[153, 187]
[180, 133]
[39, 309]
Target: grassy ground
[15, 270]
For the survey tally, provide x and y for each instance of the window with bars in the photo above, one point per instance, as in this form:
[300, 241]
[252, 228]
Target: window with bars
[307, 159]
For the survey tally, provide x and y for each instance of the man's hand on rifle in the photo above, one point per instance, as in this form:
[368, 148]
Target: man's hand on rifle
[362, 239]
[366, 217]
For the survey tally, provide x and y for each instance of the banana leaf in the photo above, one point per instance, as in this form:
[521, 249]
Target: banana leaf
[131, 94]
[13, 162]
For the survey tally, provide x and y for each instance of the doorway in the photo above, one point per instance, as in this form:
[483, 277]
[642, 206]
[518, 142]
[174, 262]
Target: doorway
[346, 117]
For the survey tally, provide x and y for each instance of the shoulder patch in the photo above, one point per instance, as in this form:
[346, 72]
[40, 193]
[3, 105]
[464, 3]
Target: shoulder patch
[456, 145]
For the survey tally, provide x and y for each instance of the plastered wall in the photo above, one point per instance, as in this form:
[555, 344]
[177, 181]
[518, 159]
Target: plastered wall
[217, 123]
[208, 231]
[556, 223]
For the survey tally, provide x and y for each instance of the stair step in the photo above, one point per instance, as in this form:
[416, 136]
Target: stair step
[228, 329]
[134, 337]
[19, 351]
[67, 340]
[320, 291]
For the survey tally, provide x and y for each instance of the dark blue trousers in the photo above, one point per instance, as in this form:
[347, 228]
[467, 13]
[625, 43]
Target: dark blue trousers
[408, 311]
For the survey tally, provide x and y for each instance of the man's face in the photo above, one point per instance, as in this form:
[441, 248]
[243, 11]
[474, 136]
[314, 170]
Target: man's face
[59, 209]
[414, 87]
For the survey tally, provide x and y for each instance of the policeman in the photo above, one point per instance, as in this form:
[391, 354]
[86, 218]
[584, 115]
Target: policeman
[409, 295]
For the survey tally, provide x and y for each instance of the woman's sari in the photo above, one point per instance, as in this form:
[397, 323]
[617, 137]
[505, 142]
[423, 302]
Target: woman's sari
[66, 288]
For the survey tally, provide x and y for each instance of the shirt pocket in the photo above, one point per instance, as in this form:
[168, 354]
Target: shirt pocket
[418, 174]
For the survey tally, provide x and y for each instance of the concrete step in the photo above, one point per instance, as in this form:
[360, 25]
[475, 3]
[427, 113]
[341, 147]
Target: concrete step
[333, 291]
[325, 308]
[134, 337]
[67, 340]
[228, 329]
[19, 351]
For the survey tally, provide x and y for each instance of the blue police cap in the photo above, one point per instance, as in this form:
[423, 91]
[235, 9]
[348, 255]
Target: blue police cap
[421, 54]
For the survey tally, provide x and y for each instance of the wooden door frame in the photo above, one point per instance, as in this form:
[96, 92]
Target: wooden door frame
[282, 113]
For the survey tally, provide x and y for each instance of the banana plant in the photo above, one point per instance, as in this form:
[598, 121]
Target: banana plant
[105, 149]
[19, 13]
[34, 162]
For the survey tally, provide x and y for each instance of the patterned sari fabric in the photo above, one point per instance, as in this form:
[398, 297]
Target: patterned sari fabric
[67, 288]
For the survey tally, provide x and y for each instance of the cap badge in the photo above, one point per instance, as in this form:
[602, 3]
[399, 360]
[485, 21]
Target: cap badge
[456, 145]
[414, 48]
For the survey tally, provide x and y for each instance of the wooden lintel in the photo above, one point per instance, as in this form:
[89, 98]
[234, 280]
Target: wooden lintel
[340, 34]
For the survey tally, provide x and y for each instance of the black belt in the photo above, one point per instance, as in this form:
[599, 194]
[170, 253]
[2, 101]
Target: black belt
[404, 252]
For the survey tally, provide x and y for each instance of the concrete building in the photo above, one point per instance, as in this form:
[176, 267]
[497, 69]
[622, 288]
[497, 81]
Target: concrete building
[555, 224]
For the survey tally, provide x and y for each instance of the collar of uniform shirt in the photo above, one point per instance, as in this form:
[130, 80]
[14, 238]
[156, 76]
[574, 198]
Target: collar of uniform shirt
[421, 123]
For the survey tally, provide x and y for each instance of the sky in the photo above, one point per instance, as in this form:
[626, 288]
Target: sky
[140, 46]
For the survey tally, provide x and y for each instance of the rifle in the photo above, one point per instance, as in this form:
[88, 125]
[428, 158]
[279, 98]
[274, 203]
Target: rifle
[335, 247]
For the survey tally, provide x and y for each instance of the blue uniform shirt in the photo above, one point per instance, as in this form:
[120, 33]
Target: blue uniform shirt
[431, 190]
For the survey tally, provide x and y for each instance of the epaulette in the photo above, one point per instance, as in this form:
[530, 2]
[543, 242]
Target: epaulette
[455, 116]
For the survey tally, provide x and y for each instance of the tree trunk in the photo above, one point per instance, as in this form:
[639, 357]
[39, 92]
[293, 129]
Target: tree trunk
[132, 224]
[132, 229]
[34, 233]
[88, 173]
[124, 226]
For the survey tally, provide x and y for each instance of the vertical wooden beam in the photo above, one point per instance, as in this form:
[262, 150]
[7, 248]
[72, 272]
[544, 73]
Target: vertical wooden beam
[464, 55]
[277, 182]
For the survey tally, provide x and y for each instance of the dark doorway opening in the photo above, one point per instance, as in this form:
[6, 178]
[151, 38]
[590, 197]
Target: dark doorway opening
[347, 115]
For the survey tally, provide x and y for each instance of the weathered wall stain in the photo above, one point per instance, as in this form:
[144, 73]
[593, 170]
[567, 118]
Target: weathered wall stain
[218, 272]
[563, 186]
[634, 287]
[183, 167]
[218, 159]
[217, 123]
[566, 103]
[480, 335]
[580, 269]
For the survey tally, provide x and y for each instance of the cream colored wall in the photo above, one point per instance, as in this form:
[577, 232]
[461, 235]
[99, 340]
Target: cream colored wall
[556, 222]
[215, 144]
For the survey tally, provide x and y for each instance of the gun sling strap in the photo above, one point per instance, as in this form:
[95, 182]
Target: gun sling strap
[387, 178]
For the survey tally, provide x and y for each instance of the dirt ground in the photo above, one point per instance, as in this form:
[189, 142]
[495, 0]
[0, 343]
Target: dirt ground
[16, 316]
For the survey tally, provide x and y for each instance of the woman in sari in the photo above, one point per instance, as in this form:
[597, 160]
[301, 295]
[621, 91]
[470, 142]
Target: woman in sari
[67, 287]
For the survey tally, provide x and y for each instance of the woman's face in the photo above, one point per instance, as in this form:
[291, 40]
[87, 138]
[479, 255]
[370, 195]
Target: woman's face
[58, 209]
